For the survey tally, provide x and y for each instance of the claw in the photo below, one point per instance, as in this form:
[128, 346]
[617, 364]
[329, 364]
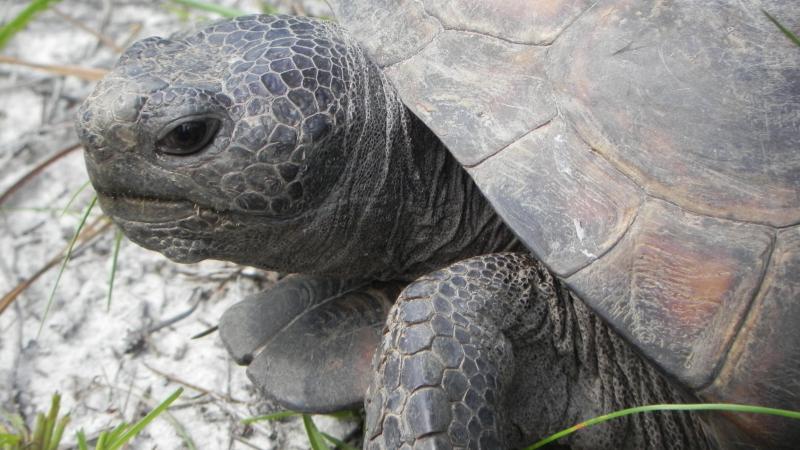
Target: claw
[309, 341]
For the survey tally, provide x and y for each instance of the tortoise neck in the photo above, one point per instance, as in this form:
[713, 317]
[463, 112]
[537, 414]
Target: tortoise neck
[445, 218]
[408, 207]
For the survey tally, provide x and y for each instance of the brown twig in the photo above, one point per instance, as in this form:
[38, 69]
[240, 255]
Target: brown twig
[77, 23]
[194, 387]
[135, 30]
[86, 238]
[86, 73]
[172, 320]
[33, 172]
[298, 9]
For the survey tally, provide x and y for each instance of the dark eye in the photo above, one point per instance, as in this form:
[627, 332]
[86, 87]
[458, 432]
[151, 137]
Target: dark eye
[188, 137]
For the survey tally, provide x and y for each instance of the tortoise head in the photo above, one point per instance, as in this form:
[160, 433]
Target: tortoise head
[235, 142]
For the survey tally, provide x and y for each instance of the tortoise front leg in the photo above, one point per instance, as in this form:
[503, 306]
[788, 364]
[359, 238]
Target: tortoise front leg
[308, 342]
[445, 364]
[493, 352]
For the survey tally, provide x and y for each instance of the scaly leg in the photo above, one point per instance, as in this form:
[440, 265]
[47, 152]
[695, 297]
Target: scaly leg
[493, 352]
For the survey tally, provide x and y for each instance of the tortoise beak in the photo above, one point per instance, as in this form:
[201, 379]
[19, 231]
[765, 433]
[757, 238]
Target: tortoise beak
[144, 209]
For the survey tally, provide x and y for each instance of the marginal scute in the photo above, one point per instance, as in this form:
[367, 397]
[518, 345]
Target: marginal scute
[513, 20]
[475, 108]
[390, 30]
[677, 286]
[565, 202]
[756, 371]
[697, 104]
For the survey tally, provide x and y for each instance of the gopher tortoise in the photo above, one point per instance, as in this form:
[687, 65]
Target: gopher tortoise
[503, 218]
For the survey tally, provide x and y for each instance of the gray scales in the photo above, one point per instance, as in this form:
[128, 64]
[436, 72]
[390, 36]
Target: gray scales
[535, 214]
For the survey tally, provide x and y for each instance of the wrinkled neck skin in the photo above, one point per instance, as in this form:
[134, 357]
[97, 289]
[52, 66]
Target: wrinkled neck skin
[372, 192]
[404, 205]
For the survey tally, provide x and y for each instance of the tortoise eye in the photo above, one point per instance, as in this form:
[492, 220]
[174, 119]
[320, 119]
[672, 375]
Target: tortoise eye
[188, 137]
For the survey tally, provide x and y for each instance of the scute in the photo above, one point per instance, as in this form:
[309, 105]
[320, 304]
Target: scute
[477, 101]
[511, 20]
[569, 204]
[699, 104]
[390, 30]
[755, 371]
[678, 285]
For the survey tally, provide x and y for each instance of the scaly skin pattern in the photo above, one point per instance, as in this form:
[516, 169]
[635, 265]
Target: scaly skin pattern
[307, 162]
[316, 166]
[492, 352]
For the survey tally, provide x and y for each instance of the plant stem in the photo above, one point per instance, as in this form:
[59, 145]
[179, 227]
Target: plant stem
[676, 407]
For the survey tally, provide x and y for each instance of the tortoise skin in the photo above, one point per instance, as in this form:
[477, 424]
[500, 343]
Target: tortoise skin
[318, 316]
[483, 353]
[646, 152]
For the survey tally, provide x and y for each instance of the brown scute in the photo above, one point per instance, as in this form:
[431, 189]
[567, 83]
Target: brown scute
[390, 30]
[696, 104]
[567, 203]
[513, 20]
[480, 101]
[678, 286]
[756, 371]
[704, 277]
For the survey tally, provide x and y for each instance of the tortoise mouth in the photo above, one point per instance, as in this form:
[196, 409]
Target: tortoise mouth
[145, 209]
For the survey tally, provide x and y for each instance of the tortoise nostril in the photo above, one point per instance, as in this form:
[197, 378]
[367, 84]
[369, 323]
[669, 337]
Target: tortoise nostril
[126, 107]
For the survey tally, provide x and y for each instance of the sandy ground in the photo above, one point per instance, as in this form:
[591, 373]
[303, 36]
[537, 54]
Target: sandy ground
[110, 364]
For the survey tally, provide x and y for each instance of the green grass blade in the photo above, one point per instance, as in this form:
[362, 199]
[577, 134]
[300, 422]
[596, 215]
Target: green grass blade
[274, 416]
[38, 431]
[74, 196]
[59, 432]
[17, 423]
[50, 421]
[102, 441]
[82, 444]
[314, 436]
[789, 34]
[266, 8]
[113, 274]
[211, 7]
[676, 407]
[114, 434]
[339, 444]
[9, 439]
[139, 426]
[23, 18]
[64, 263]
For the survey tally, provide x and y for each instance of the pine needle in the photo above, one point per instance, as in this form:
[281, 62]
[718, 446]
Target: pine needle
[787, 32]
[113, 274]
[64, 263]
[673, 407]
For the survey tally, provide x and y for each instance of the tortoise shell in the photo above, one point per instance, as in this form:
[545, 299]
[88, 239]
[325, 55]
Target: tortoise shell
[647, 152]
